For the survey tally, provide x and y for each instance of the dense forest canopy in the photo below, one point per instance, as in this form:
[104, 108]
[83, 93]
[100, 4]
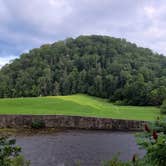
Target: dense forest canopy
[97, 65]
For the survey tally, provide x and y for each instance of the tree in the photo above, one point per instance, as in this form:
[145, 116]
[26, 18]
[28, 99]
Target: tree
[163, 107]
[98, 86]
[56, 89]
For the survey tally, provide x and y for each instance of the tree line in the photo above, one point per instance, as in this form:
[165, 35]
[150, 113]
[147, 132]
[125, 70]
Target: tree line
[101, 66]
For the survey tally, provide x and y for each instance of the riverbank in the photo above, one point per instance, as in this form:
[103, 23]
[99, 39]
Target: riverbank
[28, 132]
[69, 122]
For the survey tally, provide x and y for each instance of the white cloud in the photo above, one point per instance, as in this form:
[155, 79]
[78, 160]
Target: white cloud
[150, 11]
[45, 15]
[27, 24]
[6, 59]
[4, 13]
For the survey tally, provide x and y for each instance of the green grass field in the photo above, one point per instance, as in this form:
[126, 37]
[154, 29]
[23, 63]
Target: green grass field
[80, 105]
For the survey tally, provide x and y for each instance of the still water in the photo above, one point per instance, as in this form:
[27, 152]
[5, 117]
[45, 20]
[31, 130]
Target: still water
[89, 148]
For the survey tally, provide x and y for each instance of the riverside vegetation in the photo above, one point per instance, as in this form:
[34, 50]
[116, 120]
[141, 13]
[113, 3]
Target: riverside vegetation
[10, 154]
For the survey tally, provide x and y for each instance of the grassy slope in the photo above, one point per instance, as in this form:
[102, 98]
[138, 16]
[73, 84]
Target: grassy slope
[79, 104]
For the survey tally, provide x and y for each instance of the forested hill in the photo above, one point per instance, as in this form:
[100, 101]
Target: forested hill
[97, 65]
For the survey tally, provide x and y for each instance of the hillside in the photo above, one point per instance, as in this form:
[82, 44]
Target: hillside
[96, 65]
[79, 105]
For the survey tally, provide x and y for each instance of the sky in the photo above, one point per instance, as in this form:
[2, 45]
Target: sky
[27, 24]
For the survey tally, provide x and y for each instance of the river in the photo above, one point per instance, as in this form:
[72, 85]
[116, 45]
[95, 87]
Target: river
[89, 148]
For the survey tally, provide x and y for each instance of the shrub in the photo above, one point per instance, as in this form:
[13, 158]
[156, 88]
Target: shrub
[153, 141]
[38, 124]
[10, 153]
[116, 162]
[163, 107]
[20, 161]
[119, 102]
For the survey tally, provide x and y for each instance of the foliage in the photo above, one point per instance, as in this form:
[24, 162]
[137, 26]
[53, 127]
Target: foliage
[96, 65]
[116, 162]
[38, 124]
[20, 161]
[137, 162]
[77, 105]
[163, 107]
[10, 153]
[119, 102]
[134, 162]
[153, 140]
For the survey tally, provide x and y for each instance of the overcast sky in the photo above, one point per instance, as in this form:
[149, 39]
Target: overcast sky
[25, 24]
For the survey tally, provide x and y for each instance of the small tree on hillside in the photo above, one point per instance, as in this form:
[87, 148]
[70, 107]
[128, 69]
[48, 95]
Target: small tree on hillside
[163, 107]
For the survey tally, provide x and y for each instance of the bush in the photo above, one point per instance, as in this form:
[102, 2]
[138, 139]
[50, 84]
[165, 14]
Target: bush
[116, 162]
[163, 107]
[153, 140]
[119, 102]
[38, 124]
[10, 153]
[20, 161]
[135, 162]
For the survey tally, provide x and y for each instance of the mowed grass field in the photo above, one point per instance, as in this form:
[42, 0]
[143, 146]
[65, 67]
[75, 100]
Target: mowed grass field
[78, 105]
